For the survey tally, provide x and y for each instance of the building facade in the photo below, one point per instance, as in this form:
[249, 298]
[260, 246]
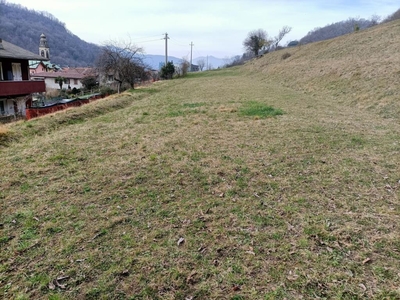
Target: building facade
[16, 86]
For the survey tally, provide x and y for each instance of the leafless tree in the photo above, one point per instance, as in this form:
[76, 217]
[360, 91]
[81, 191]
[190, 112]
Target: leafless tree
[256, 40]
[201, 63]
[337, 29]
[122, 61]
[185, 66]
[284, 31]
[393, 16]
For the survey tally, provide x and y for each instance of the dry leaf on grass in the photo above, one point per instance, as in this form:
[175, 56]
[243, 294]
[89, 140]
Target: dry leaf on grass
[191, 278]
[56, 283]
[180, 241]
[367, 260]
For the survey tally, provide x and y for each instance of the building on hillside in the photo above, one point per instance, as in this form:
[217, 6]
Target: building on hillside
[194, 68]
[16, 88]
[37, 66]
[71, 78]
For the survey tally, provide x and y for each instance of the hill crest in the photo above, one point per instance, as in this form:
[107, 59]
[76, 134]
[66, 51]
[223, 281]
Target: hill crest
[361, 67]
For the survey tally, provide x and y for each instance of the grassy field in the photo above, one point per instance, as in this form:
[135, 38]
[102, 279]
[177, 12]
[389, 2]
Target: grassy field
[276, 180]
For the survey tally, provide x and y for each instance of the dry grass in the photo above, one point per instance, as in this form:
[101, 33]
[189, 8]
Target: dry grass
[3, 130]
[301, 205]
[360, 69]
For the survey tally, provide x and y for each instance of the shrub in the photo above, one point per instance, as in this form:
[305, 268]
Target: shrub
[106, 90]
[286, 55]
[167, 71]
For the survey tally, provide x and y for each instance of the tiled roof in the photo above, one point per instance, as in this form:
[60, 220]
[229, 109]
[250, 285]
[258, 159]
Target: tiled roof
[8, 50]
[71, 73]
[33, 64]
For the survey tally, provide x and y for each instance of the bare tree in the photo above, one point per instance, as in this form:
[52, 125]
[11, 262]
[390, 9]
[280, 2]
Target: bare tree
[337, 29]
[256, 40]
[185, 66]
[284, 31]
[122, 61]
[201, 63]
[393, 16]
[375, 19]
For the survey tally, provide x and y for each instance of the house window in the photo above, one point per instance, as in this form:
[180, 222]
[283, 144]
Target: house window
[110, 78]
[76, 81]
[1, 72]
[16, 71]
[2, 111]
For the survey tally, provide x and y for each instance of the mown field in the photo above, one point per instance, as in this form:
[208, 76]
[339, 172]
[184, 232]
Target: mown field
[276, 180]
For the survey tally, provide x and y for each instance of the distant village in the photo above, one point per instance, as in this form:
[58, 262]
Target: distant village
[31, 81]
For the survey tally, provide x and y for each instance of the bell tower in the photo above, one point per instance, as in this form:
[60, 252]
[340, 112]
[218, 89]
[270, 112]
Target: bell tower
[44, 49]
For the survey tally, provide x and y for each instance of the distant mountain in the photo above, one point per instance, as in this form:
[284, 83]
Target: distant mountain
[213, 62]
[155, 61]
[23, 27]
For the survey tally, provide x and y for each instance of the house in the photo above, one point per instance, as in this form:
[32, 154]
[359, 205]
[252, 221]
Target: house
[37, 66]
[194, 68]
[71, 78]
[16, 88]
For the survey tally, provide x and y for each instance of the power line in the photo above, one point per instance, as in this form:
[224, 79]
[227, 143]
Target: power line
[157, 40]
[174, 40]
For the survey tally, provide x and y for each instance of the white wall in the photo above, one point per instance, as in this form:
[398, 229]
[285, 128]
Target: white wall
[51, 84]
[8, 107]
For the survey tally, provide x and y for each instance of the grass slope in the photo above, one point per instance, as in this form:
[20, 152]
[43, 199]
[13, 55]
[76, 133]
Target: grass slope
[179, 192]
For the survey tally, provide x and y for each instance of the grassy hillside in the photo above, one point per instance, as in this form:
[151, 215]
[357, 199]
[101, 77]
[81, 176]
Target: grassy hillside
[190, 189]
[360, 69]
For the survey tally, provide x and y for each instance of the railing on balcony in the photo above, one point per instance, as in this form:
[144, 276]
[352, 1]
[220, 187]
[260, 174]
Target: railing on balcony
[20, 88]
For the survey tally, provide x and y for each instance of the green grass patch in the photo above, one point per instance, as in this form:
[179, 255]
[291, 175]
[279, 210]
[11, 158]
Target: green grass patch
[258, 109]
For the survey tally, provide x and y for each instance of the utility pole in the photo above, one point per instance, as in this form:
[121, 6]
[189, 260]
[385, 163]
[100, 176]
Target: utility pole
[166, 48]
[191, 55]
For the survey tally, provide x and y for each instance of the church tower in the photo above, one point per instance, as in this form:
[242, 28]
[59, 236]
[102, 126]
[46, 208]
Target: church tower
[44, 47]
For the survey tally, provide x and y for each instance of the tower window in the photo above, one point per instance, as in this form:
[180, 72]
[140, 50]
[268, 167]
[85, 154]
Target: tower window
[42, 53]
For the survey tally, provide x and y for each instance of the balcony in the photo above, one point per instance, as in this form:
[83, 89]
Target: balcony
[20, 88]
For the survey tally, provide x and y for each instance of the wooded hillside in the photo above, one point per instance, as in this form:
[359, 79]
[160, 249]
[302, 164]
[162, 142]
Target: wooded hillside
[23, 27]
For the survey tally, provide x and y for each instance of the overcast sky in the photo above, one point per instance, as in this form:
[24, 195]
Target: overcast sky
[216, 27]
